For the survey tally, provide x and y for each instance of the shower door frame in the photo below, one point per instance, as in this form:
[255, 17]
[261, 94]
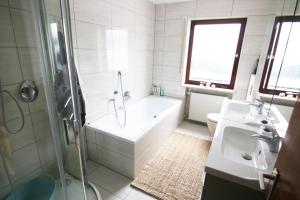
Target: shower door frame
[48, 63]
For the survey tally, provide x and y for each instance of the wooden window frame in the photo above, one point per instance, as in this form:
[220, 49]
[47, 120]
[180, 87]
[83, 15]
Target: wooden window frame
[263, 88]
[243, 22]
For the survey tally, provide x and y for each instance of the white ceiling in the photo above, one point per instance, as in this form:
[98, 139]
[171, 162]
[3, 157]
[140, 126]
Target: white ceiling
[168, 1]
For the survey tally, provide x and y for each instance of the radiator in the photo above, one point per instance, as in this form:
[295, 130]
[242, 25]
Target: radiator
[202, 104]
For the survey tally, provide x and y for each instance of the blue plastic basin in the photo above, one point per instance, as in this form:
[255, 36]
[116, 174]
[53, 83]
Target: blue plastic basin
[40, 188]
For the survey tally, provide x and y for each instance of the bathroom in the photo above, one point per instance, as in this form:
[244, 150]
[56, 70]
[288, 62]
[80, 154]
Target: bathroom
[105, 99]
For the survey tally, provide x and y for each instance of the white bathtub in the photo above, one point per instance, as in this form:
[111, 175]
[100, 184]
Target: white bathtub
[126, 150]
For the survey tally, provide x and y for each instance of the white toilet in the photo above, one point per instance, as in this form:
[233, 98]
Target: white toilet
[212, 121]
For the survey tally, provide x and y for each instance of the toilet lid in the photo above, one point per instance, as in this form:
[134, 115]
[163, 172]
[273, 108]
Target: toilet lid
[214, 117]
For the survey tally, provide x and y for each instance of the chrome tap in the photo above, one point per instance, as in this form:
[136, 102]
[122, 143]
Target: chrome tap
[126, 96]
[259, 104]
[273, 140]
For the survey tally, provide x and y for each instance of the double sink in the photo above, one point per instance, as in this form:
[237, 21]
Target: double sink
[236, 155]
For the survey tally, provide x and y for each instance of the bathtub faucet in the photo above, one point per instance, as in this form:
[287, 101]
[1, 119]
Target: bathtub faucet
[126, 96]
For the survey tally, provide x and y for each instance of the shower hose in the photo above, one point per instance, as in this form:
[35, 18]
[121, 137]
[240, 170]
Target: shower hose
[120, 81]
[3, 115]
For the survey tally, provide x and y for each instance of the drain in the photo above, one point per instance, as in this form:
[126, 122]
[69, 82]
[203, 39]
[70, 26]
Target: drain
[246, 156]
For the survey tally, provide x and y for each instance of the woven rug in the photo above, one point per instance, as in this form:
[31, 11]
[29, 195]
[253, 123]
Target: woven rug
[176, 170]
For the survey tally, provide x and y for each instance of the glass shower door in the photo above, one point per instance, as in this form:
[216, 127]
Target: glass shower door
[64, 97]
[41, 140]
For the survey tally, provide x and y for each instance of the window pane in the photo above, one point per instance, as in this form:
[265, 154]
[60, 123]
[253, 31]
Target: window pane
[213, 55]
[289, 79]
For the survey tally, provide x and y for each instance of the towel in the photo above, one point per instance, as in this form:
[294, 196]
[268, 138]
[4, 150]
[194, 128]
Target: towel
[5, 150]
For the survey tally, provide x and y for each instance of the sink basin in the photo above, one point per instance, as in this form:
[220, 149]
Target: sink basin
[236, 156]
[238, 108]
[238, 146]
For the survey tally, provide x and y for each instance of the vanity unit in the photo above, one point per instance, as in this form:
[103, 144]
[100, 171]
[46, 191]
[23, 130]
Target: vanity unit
[239, 152]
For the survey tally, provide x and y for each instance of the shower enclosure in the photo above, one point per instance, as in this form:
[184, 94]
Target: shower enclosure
[42, 108]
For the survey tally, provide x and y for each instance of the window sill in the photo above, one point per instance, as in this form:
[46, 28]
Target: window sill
[211, 90]
[285, 101]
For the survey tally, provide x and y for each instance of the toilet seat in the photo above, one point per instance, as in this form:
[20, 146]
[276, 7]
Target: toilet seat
[214, 117]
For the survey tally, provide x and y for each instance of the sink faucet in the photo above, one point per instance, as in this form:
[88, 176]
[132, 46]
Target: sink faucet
[126, 96]
[259, 104]
[273, 141]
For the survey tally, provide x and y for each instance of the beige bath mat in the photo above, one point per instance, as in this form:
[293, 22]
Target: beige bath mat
[176, 170]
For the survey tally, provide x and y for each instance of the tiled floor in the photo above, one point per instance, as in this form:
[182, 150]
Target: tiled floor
[194, 129]
[114, 186]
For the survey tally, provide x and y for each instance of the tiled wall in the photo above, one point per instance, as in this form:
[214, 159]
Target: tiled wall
[169, 37]
[108, 34]
[32, 148]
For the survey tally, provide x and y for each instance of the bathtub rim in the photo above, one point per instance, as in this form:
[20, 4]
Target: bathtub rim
[154, 122]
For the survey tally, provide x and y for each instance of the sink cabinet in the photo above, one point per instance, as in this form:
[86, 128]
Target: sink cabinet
[216, 188]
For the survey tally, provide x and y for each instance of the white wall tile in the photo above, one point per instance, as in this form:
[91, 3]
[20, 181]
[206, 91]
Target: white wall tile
[289, 7]
[127, 4]
[159, 28]
[174, 27]
[4, 2]
[171, 74]
[30, 63]
[259, 24]
[6, 31]
[180, 10]
[173, 44]
[93, 11]
[242, 81]
[53, 7]
[252, 44]
[92, 152]
[159, 44]
[93, 36]
[93, 61]
[23, 24]
[216, 8]
[123, 18]
[10, 107]
[94, 84]
[256, 7]
[247, 63]
[172, 59]
[46, 150]
[145, 26]
[10, 72]
[90, 135]
[145, 8]
[160, 11]
[41, 124]
[20, 4]
[24, 137]
[24, 164]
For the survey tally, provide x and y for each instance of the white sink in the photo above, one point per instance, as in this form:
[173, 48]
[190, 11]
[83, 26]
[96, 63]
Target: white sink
[243, 112]
[236, 110]
[240, 147]
[235, 155]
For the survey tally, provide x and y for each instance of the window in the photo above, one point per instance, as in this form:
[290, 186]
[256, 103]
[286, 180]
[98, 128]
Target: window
[214, 51]
[284, 50]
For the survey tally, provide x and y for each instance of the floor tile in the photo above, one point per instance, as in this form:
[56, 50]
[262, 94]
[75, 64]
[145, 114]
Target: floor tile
[111, 181]
[194, 129]
[138, 195]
